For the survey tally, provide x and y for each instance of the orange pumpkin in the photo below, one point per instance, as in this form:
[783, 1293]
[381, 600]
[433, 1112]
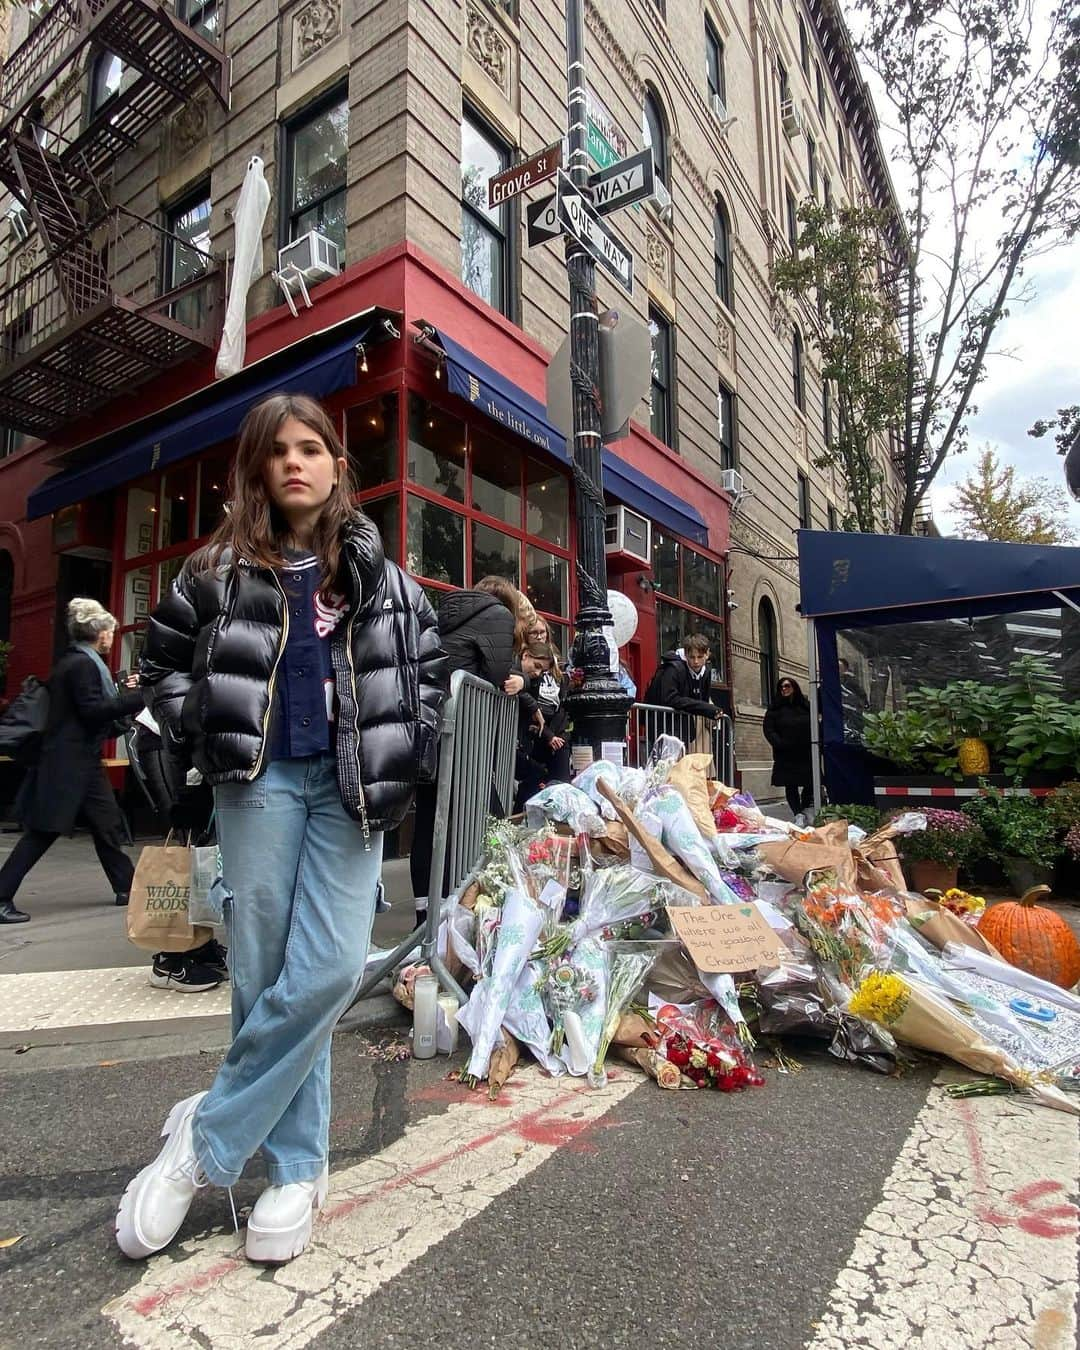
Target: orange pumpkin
[1033, 938]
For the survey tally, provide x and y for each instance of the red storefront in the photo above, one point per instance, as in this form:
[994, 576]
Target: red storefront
[457, 492]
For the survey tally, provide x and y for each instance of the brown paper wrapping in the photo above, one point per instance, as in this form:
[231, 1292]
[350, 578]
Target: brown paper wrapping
[503, 1058]
[663, 864]
[876, 860]
[648, 1061]
[634, 1030]
[689, 777]
[825, 848]
[613, 843]
[943, 926]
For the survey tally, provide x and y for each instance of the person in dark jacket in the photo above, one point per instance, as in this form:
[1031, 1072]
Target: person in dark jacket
[684, 683]
[303, 671]
[787, 729]
[477, 630]
[535, 661]
[550, 690]
[67, 783]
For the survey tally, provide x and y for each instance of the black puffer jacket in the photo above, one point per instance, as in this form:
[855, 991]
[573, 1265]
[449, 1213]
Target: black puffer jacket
[212, 651]
[478, 633]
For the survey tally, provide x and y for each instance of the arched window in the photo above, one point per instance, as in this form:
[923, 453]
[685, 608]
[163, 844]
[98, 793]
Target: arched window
[798, 382]
[106, 72]
[722, 252]
[654, 130]
[767, 649]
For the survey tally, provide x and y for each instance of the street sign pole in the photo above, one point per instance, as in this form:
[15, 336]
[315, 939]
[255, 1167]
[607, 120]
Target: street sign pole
[599, 704]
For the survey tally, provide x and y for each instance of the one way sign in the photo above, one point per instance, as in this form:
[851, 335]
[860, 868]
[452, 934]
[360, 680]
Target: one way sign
[580, 220]
[542, 222]
[630, 180]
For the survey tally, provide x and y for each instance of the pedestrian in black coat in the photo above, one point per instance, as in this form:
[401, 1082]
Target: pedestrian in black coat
[787, 729]
[684, 683]
[68, 783]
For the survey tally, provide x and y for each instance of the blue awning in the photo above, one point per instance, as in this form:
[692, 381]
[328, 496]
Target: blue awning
[511, 407]
[318, 365]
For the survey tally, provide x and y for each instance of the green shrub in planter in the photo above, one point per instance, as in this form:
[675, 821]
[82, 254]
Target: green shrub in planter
[950, 838]
[867, 818]
[1016, 827]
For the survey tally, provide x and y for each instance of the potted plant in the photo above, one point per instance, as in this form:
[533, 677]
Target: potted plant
[1063, 807]
[1022, 834]
[934, 856]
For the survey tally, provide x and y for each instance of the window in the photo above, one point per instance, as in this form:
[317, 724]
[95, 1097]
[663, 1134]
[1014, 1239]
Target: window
[785, 87]
[841, 148]
[804, 501]
[826, 191]
[714, 63]
[767, 651]
[201, 16]
[316, 154]
[661, 419]
[485, 232]
[691, 598]
[804, 48]
[798, 383]
[826, 413]
[654, 131]
[106, 73]
[726, 428]
[834, 522]
[811, 164]
[792, 213]
[819, 81]
[186, 247]
[722, 253]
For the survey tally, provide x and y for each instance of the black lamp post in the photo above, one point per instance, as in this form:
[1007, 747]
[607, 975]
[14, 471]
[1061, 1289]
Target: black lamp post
[599, 704]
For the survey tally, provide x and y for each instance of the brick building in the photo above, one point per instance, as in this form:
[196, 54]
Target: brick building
[127, 130]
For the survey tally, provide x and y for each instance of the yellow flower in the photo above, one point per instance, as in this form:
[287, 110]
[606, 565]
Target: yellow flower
[880, 998]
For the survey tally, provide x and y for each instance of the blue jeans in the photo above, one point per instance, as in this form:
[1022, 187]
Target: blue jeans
[299, 926]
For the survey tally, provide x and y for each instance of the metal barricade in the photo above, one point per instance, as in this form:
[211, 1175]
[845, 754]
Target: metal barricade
[477, 747]
[650, 720]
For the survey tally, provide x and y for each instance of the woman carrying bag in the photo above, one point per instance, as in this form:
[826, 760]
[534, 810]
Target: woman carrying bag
[67, 784]
[304, 673]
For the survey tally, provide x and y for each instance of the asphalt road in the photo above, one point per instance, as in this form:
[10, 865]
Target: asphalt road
[677, 1219]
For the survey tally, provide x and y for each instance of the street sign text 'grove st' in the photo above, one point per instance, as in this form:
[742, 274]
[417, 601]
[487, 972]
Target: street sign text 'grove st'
[519, 177]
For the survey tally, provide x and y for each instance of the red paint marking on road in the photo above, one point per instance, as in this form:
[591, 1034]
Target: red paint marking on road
[150, 1303]
[1044, 1221]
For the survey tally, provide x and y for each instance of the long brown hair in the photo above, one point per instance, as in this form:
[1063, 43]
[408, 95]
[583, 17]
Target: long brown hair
[253, 528]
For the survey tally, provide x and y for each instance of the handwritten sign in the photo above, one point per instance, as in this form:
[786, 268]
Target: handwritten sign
[726, 938]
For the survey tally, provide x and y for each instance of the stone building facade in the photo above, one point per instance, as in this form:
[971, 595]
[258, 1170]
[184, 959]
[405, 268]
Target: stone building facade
[378, 122]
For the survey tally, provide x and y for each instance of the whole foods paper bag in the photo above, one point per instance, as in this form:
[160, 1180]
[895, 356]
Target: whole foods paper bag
[157, 912]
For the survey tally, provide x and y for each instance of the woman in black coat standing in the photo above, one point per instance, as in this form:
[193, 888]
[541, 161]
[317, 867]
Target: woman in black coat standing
[68, 783]
[787, 729]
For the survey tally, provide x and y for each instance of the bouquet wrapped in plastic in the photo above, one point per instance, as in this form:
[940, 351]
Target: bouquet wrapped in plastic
[694, 1040]
[611, 897]
[628, 964]
[919, 1017]
[666, 816]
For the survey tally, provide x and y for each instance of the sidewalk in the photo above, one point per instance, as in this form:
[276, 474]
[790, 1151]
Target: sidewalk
[70, 973]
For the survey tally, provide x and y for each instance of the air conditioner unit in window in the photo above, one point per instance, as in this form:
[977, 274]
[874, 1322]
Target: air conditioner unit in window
[627, 537]
[661, 199]
[21, 223]
[719, 108]
[312, 255]
[790, 119]
[731, 482]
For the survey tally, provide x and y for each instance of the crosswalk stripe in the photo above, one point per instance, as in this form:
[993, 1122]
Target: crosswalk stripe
[380, 1216]
[974, 1242]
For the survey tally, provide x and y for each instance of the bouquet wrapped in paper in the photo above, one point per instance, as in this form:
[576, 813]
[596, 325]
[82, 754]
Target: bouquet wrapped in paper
[666, 816]
[589, 779]
[526, 1018]
[917, 1016]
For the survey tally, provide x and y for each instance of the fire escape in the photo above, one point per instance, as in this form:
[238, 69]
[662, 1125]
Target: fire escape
[100, 313]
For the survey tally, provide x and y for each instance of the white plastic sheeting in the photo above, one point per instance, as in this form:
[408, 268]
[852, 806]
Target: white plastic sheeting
[251, 208]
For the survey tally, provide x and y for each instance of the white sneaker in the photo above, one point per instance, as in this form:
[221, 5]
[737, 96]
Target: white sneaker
[800, 819]
[156, 1202]
[280, 1224]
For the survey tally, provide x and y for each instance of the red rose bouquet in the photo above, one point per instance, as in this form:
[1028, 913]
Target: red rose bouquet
[695, 1039]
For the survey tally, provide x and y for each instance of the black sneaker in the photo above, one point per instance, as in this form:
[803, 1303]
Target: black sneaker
[211, 954]
[179, 973]
[9, 914]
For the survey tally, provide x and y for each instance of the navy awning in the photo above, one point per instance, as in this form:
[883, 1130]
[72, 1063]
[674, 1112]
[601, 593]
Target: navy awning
[511, 407]
[318, 365]
[875, 575]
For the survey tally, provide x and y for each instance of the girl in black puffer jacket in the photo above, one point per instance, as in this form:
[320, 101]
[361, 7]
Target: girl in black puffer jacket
[304, 673]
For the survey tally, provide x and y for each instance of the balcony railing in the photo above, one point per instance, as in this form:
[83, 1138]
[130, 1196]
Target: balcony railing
[99, 317]
[169, 62]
